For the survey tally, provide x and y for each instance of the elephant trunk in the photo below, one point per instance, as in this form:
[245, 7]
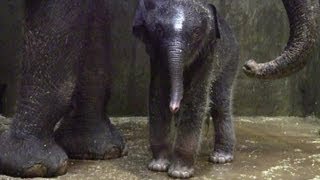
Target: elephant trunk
[176, 76]
[300, 44]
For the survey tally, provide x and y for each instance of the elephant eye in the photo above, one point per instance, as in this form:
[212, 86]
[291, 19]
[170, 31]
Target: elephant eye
[159, 30]
[196, 32]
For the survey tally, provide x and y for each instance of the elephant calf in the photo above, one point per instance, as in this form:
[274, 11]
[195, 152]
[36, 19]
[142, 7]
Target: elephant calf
[194, 58]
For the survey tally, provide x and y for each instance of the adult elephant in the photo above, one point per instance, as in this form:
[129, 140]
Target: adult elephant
[301, 42]
[66, 75]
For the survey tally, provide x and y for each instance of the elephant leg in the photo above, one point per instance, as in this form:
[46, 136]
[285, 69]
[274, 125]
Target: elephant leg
[159, 120]
[221, 113]
[194, 108]
[88, 132]
[48, 80]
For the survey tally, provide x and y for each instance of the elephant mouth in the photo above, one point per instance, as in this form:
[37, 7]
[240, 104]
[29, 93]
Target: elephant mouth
[174, 107]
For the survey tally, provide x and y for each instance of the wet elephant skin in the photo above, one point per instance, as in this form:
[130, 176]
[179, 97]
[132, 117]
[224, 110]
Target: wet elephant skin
[194, 58]
[65, 75]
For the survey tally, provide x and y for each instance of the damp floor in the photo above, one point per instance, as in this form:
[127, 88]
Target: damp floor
[267, 148]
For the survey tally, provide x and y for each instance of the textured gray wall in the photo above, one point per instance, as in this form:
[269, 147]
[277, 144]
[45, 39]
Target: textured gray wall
[11, 16]
[261, 28]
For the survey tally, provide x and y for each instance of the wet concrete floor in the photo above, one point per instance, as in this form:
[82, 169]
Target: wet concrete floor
[267, 148]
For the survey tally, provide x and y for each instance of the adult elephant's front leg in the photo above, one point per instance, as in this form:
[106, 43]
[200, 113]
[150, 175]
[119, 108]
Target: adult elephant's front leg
[48, 78]
[88, 133]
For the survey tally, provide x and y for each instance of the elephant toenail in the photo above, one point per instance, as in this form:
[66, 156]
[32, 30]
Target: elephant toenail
[63, 168]
[125, 151]
[112, 153]
[37, 170]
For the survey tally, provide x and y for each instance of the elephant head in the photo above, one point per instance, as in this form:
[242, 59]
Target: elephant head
[300, 44]
[174, 32]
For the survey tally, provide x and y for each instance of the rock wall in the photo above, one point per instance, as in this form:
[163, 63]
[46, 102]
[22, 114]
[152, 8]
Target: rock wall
[11, 41]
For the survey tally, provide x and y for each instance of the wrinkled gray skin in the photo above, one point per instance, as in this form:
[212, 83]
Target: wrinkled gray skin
[301, 43]
[194, 58]
[65, 76]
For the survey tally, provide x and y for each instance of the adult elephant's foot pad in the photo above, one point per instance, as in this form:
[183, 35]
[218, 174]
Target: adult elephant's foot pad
[30, 157]
[221, 158]
[159, 165]
[179, 171]
[96, 142]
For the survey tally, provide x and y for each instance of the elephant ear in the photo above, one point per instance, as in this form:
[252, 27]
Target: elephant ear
[139, 20]
[215, 23]
[144, 6]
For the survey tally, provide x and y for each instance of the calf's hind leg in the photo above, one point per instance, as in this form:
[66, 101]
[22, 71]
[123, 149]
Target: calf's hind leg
[222, 119]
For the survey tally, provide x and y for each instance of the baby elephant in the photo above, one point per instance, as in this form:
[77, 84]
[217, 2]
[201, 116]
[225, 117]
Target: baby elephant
[194, 60]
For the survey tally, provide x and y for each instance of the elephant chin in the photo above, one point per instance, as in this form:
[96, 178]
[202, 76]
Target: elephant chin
[300, 44]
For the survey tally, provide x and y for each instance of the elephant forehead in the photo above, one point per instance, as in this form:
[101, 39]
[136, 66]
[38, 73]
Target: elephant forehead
[176, 17]
[179, 19]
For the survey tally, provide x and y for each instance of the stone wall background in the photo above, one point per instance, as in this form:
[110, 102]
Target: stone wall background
[261, 28]
[11, 43]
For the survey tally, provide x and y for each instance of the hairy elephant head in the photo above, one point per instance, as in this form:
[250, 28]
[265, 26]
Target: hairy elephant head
[174, 31]
[300, 44]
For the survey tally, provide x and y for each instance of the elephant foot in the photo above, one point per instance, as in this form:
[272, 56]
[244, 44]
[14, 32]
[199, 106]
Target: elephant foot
[182, 165]
[94, 141]
[30, 157]
[159, 165]
[221, 157]
[178, 170]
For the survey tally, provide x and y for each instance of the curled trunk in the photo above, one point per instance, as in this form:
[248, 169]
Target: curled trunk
[300, 44]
